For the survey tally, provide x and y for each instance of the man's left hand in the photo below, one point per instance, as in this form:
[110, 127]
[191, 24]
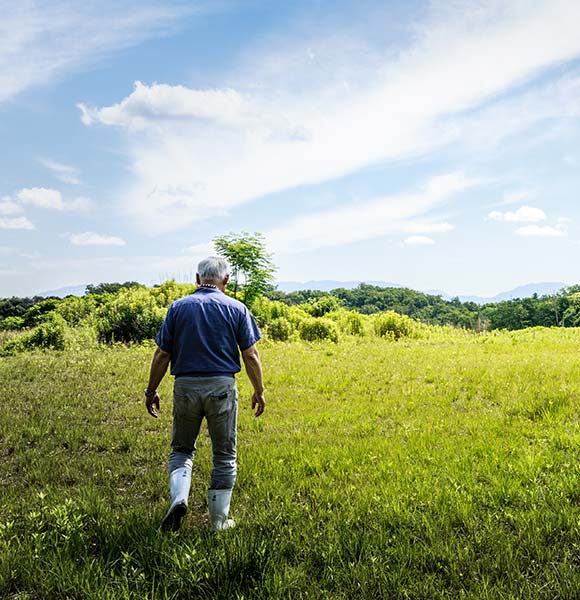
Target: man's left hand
[152, 404]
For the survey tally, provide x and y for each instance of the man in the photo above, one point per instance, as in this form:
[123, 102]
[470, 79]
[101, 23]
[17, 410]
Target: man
[200, 336]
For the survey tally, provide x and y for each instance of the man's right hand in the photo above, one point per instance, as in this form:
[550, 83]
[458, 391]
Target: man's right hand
[258, 401]
[152, 403]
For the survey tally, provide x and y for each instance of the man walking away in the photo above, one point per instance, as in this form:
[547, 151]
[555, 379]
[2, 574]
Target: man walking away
[201, 337]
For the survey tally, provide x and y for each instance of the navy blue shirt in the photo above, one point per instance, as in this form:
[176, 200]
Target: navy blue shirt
[203, 332]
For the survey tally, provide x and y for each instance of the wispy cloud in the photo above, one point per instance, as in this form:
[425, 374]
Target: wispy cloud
[46, 198]
[543, 231]
[90, 238]
[379, 217]
[64, 173]
[9, 207]
[418, 240]
[198, 153]
[43, 40]
[16, 223]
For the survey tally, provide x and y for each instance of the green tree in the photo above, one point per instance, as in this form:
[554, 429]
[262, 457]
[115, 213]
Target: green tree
[251, 264]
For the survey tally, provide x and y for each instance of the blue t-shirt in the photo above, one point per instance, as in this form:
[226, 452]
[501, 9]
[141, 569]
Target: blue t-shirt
[203, 332]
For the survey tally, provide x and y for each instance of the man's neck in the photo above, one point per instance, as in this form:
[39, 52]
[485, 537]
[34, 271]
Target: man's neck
[212, 285]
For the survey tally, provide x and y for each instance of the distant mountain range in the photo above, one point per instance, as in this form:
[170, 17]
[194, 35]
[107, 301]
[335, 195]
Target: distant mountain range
[73, 290]
[523, 291]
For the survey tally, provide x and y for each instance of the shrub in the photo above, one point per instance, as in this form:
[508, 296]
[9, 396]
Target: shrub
[10, 323]
[131, 316]
[37, 313]
[354, 324]
[322, 306]
[74, 309]
[280, 329]
[391, 324]
[318, 329]
[168, 292]
[50, 334]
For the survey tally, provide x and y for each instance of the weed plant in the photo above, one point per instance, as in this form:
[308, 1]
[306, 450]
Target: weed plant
[442, 467]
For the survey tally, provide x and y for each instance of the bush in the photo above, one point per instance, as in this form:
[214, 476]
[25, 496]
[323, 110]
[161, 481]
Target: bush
[74, 309]
[313, 330]
[354, 324]
[131, 316]
[280, 329]
[49, 335]
[168, 292]
[10, 323]
[391, 324]
[37, 313]
[322, 306]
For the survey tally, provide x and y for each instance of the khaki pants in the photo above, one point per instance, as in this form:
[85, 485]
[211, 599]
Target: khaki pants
[216, 399]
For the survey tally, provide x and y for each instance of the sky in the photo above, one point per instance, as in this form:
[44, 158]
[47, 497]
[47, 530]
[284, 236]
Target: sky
[433, 144]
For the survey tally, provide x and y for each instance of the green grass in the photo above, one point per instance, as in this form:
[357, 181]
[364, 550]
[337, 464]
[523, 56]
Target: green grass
[443, 468]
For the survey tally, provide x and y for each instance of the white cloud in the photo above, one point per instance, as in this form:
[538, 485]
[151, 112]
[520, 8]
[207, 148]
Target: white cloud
[524, 214]
[16, 223]
[383, 216]
[45, 198]
[89, 238]
[543, 231]
[41, 197]
[64, 173]
[43, 40]
[198, 153]
[418, 240]
[9, 207]
[158, 102]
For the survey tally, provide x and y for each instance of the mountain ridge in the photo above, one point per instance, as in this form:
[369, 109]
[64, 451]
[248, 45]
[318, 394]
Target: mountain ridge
[326, 285]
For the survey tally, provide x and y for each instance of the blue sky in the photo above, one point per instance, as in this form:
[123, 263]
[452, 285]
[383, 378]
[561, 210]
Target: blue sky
[431, 144]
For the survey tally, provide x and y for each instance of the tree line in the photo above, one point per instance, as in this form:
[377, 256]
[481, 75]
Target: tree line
[556, 310]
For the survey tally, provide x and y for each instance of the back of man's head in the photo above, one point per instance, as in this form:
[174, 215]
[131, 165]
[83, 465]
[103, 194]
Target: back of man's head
[213, 268]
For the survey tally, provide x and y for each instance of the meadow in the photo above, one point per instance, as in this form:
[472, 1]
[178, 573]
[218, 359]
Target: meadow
[443, 467]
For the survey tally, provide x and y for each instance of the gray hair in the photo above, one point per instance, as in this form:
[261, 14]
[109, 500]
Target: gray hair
[213, 267]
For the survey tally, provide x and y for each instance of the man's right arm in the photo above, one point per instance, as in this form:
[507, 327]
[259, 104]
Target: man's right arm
[253, 366]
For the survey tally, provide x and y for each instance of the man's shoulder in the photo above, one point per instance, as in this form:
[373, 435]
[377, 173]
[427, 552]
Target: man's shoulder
[209, 298]
[182, 301]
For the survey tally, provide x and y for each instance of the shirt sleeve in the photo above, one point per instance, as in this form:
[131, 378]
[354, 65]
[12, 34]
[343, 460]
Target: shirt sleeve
[164, 338]
[248, 332]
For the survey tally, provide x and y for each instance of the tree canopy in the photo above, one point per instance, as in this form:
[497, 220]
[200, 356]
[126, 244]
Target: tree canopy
[251, 264]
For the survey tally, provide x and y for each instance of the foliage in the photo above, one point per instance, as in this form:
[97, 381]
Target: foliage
[74, 310]
[250, 261]
[49, 335]
[353, 324]
[16, 307]
[36, 313]
[132, 315]
[395, 326]
[321, 306]
[313, 330]
[111, 288]
[12, 323]
[280, 329]
[546, 311]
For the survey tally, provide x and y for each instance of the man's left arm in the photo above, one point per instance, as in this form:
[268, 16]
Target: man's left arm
[159, 364]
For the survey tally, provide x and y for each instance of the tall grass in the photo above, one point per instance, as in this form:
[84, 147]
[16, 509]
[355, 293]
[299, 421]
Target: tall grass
[433, 468]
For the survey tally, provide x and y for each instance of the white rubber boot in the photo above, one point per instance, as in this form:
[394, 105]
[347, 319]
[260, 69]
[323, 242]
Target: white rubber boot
[218, 502]
[179, 484]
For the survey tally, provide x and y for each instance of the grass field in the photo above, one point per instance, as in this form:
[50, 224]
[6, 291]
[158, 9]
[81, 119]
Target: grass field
[443, 468]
